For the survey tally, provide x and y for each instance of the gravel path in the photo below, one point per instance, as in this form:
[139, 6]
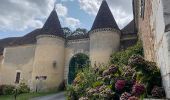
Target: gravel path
[58, 96]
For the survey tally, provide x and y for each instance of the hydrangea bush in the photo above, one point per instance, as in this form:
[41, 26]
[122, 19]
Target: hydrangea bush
[133, 80]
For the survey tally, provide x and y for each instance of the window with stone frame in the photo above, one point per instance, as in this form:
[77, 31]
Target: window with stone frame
[17, 77]
[142, 8]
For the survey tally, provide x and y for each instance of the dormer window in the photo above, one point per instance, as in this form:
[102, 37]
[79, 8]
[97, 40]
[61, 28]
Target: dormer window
[142, 9]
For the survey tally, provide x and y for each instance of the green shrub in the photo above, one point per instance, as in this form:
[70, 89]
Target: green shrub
[71, 93]
[147, 72]
[130, 76]
[23, 88]
[85, 78]
[121, 58]
[1, 89]
[8, 89]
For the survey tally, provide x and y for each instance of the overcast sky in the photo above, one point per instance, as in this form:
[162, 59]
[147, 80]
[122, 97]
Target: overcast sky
[18, 17]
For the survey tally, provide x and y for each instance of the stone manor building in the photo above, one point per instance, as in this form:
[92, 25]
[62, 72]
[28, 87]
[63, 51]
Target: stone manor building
[41, 58]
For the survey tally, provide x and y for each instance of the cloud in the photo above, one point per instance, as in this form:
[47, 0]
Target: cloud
[66, 0]
[23, 14]
[90, 6]
[61, 10]
[64, 17]
[121, 9]
[20, 15]
[72, 22]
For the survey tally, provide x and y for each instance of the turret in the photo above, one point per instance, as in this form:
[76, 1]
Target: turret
[104, 36]
[48, 68]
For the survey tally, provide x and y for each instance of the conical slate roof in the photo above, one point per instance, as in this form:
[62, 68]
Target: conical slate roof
[52, 26]
[104, 18]
[129, 28]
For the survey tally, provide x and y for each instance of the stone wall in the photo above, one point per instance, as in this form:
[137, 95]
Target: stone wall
[102, 44]
[48, 67]
[128, 40]
[155, 40]
[17, 59]
[145, 31]
[1, 58]
[74, 47]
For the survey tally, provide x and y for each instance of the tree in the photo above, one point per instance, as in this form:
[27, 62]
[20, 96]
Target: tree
[80, 31]
[67, 31]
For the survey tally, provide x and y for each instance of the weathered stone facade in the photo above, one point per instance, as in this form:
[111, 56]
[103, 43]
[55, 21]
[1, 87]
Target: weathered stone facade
[153, 30]
[17, 59]
[101, 40]
[144, 27]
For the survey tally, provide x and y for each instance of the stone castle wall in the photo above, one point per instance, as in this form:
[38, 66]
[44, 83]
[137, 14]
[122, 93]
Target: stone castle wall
[102, 44]
[1, 58]
[17, 59]
[74, 47]
[45, 65]
[48, 68]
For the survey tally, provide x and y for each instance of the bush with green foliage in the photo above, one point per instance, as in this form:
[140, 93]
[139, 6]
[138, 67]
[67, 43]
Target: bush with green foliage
[6, 89]
[1, 89]
[84, 79]
[121, 58]
[11, 89]
[124, 80]
[23, 88]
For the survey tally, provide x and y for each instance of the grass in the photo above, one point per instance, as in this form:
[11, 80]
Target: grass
[25, 96]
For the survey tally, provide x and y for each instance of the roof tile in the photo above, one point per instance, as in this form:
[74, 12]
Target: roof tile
[104, 18]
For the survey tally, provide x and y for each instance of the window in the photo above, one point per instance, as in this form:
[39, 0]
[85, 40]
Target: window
[37, 78]
[41, 77]
[17, 77]
[54, 64]
[142, 8]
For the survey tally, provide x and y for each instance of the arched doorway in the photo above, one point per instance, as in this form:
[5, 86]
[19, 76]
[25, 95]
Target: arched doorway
[77, 62]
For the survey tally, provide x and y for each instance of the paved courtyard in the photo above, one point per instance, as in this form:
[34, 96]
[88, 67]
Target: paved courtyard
[58, 96]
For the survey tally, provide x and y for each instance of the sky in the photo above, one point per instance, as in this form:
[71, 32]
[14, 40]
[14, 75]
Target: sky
[19, 17]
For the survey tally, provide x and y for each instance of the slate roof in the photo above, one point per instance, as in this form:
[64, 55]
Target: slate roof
[82, 36]
[130, 28]
[29, 38]
[4, 43]
[104, 18]
[52, 26]
[128, 31]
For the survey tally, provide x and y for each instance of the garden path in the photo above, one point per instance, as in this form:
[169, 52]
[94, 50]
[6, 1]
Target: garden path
[58, 96]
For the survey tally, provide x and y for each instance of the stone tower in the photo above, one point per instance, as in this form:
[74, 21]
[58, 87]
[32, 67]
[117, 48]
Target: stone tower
[48, 67]
[104, 36]
[43, 57]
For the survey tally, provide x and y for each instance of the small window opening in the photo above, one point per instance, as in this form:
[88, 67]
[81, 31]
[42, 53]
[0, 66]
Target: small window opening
[17, 77]
[54, 64]
[142, 9]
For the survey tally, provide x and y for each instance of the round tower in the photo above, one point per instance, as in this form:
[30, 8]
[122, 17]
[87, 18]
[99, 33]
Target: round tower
[104, 36]
[48, 68]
